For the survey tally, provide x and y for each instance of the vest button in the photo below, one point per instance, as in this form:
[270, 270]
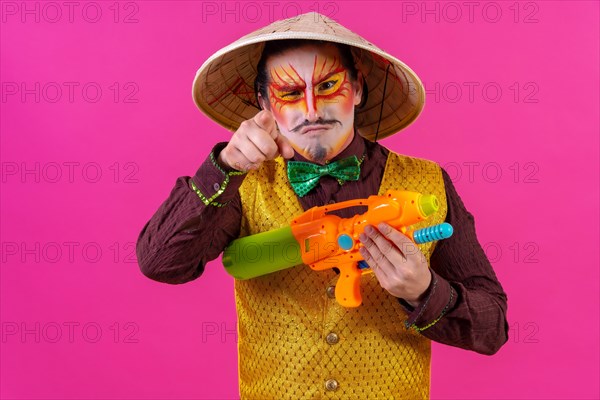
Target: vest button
[332, 338]
[331, 292]
[331, 384]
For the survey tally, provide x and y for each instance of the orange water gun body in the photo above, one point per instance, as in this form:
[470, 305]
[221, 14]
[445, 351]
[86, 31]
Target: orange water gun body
[325, 241]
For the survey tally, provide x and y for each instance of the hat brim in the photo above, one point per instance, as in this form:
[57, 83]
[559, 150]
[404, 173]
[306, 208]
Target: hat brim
[223, 87]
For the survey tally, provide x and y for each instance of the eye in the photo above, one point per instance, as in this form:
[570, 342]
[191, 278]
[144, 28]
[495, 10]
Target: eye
[328, 84]
[290, 94]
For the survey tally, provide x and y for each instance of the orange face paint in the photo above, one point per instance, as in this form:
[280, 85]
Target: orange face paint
[329, 83]
[310, 86]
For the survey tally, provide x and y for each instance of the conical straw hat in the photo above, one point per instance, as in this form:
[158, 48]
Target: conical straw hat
[223, 88]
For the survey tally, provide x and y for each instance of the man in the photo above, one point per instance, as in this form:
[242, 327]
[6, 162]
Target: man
[326, 102]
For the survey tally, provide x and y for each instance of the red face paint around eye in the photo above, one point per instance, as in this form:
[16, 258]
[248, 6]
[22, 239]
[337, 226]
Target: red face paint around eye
[327, 101]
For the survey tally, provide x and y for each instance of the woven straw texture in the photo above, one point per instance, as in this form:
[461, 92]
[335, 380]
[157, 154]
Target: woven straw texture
[223, 88]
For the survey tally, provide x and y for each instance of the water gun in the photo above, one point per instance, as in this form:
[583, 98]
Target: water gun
[323, 241]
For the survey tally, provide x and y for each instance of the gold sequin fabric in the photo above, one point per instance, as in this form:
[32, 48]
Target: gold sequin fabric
[295, 341]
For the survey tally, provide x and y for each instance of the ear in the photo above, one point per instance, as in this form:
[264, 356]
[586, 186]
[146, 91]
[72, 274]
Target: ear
[264, 104]
[358, 88]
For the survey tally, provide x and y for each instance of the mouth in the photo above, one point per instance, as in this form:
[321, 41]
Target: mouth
[316, 129]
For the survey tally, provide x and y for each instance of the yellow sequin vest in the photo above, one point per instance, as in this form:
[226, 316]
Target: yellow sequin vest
[295, 341]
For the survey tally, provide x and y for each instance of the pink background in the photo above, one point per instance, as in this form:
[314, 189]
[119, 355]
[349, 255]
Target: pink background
[80, 178]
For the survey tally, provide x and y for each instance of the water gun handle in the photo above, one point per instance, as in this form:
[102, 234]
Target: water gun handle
[347, 289]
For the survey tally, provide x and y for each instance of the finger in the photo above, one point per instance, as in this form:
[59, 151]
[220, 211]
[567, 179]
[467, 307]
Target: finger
[375, 267]
[385, 245]
[264, 143]
[400, 240]
[247, 155]
[285, 147]
[377, 256]
[240, 161]
[265, 121]
[251, 152]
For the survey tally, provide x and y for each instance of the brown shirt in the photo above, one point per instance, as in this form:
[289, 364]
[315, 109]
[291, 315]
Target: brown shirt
[184, 234]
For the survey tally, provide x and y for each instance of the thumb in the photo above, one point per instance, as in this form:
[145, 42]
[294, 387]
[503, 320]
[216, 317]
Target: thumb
[285, 147]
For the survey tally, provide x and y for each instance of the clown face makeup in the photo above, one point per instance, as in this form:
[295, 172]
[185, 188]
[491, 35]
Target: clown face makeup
[312, 99]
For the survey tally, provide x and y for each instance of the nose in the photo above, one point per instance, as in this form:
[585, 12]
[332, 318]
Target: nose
[312, 114]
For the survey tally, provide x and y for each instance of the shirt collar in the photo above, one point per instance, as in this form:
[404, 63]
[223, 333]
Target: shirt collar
[355, 148]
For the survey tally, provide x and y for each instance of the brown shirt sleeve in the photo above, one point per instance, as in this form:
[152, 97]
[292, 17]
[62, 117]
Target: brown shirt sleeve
[185, 233]
[465, 302]
[464, 306]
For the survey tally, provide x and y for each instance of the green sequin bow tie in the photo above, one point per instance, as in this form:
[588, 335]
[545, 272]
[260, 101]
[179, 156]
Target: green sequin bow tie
[304, 176]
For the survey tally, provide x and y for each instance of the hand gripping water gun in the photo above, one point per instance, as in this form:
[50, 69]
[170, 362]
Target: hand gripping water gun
[324, 241]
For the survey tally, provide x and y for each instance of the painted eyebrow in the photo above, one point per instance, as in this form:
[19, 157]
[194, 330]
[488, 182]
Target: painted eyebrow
[289, 88]
[337, 71]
